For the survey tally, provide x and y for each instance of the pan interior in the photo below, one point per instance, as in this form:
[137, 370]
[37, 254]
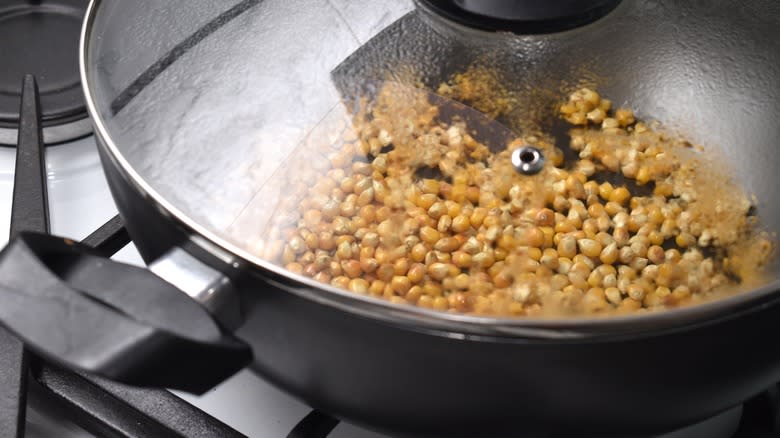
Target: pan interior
[210, 104]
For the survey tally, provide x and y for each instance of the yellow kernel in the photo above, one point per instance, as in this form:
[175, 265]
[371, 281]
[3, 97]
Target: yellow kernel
[545, 218]
[620, 195]
[425, 200]
[351, 268]
[589, 247]
[340, 282]
[613, 295]
[444, 224]
[418, 252]
[629, 304]
[565, 226]
[507, 242]
[457, 301]
[624, 116]
[432, 289]
[377, 287]
[438, 270]
[430, 186]
[656, 238]
[461, 259]
[636, 292]
[605, 190]
[368, 265]
[437, 210]
[440, 303]
[458, 193]
[684, 240]
[567, 247]
[335, 268]
[578, 280]
[424, 301]
[482, 260]
[672, 255]
[430, 235]
[533, 237]
[609, 254]
[416, 273]
[462, 281]
[613, 208]
[472, 194]
[396, 300]
[656, 254]
[461, 224]
[358, 285]
[322, 277]
[609, 123]
[643, 175]
[297, 245]
[549, 258]
[327, 242]
[453, 208]
[535, 253]
[414, 294]
[385, 272]
[400, 284]
[312, 241]
[401, 266]
[597, 115]
[478, 216]
[344, 250]
[447, 244]
[595, 279]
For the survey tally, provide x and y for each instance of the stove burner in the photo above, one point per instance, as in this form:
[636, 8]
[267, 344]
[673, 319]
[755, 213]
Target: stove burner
[41, 38]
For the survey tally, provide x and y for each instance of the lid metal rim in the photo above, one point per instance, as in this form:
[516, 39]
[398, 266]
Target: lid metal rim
[457, 325]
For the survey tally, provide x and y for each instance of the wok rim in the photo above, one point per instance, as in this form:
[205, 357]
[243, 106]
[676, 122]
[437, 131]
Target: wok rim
[455, 325]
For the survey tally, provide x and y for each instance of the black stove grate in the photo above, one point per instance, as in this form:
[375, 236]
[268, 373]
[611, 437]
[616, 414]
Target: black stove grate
[29, 212]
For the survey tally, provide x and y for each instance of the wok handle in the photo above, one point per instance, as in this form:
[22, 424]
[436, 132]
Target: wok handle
[80, 310]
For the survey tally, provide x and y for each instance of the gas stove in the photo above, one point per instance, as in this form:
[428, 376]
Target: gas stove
[51, 179]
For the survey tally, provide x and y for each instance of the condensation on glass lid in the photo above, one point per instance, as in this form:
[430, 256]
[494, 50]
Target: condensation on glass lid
[408, 205]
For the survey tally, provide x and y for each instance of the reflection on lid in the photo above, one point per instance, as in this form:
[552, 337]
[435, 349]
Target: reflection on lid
[402, 199]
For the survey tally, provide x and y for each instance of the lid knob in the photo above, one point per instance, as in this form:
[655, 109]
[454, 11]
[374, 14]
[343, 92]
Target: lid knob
[527, 160]
[521, 16]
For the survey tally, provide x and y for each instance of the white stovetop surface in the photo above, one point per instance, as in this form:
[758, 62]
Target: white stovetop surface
[79, 202]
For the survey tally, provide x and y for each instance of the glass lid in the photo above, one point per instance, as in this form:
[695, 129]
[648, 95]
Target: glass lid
[386, 150]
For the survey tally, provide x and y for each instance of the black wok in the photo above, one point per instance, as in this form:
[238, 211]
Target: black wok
[197, 106]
